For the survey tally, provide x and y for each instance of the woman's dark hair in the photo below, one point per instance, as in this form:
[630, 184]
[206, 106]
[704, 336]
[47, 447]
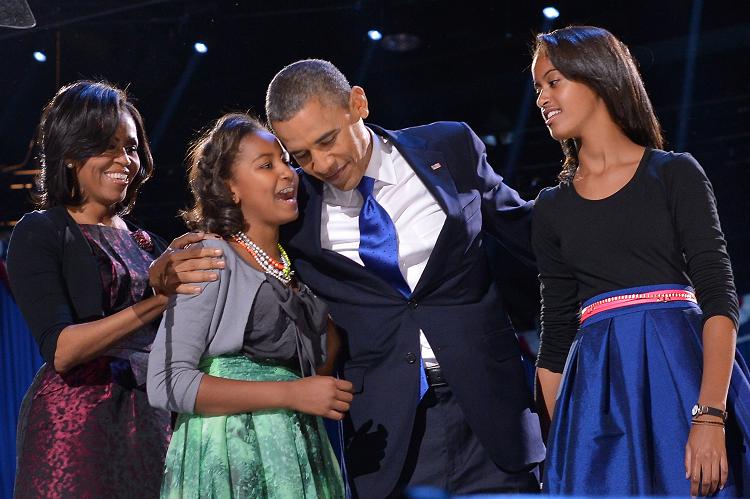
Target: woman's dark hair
[78, 124]
[594, 57]
[210, 161]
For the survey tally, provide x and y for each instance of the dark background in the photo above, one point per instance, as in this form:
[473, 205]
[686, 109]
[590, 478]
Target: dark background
[471, 64]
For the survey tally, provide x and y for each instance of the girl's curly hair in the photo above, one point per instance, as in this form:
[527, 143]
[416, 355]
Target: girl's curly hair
[210, 160]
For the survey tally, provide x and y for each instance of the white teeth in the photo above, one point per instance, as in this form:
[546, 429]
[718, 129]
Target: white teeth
[286, 190]
[553, 113]
[117, 176]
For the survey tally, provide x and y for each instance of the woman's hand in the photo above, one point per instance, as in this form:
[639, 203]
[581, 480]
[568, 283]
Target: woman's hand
[321, 396]
[705, 453]
[706, 464]
[179, 267]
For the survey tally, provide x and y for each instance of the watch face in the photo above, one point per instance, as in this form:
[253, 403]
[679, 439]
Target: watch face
[695, 410]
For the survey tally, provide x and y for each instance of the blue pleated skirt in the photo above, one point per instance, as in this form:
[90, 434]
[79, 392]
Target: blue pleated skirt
[622, 416]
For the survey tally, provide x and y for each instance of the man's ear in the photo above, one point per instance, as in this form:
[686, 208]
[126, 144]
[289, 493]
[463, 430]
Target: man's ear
[358, 103]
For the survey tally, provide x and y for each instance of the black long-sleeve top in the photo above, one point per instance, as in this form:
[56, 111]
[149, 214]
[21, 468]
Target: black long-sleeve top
[662, 227]
[55, 276]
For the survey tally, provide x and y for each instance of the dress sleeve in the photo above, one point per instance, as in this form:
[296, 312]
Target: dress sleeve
[182, 339]
[505, 214]
[559, 290]
[693, 206]
[36, 278]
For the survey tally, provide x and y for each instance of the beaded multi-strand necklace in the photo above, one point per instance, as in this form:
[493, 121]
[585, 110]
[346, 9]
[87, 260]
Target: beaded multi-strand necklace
[280, 270]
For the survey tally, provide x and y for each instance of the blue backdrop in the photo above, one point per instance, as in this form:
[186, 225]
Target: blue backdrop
[19, 361]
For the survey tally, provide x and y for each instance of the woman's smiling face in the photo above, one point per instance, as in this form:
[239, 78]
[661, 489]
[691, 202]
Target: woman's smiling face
[104, 179]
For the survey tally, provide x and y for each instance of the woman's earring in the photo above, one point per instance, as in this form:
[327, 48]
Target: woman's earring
[73, 180]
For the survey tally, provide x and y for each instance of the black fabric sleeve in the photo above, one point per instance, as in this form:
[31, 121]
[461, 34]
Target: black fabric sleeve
[559, 290]
[693, 206]
[36, 278]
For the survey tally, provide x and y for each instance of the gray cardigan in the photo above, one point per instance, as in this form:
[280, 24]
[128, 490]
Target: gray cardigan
[209, 324]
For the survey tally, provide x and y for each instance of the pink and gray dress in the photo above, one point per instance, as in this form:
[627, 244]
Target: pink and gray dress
[90, 432]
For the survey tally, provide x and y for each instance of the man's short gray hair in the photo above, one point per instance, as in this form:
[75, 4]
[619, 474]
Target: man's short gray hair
[291, 88]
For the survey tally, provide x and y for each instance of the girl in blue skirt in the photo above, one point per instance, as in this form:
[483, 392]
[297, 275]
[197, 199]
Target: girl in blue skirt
[637, 366]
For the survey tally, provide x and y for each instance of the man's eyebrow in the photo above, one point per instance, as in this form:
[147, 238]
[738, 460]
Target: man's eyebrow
[297, 152]
[326, 135]
[320, 139]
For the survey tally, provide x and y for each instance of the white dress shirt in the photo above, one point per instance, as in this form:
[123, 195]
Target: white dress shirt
[416, 214]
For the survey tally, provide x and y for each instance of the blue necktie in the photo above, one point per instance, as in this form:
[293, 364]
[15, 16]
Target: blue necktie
[378, 249]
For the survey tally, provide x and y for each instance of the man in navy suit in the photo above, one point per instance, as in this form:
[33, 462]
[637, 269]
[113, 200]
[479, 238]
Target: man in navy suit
[473, 430]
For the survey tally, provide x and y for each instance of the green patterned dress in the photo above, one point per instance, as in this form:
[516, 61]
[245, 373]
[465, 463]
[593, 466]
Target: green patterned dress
[273, 453]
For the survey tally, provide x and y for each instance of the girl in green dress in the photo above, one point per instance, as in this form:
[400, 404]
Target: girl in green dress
[243, 360]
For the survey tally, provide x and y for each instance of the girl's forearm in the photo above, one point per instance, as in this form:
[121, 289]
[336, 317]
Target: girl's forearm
[719, 339]
[548, 383]
[221, 396]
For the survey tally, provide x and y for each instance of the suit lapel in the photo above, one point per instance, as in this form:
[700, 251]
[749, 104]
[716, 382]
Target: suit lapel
[430, 167]
[433, 171]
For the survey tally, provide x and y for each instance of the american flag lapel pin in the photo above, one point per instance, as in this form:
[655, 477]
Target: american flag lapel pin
[435, 166]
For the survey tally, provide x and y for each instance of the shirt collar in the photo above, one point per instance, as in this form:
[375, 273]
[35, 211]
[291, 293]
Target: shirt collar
[380, 166]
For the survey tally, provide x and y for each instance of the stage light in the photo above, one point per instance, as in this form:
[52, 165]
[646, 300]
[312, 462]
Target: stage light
[200, 47]
[374, 35]
[489, 139]
[551, 13]
[40, 57]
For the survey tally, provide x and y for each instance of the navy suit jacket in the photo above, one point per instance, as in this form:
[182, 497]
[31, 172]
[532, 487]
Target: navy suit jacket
[455, 303]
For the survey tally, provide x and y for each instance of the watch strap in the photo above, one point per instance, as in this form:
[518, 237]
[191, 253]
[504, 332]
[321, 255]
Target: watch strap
[710, 411]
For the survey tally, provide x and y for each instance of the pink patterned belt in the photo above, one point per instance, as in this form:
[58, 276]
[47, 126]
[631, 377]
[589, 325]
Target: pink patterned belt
[613, 302]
